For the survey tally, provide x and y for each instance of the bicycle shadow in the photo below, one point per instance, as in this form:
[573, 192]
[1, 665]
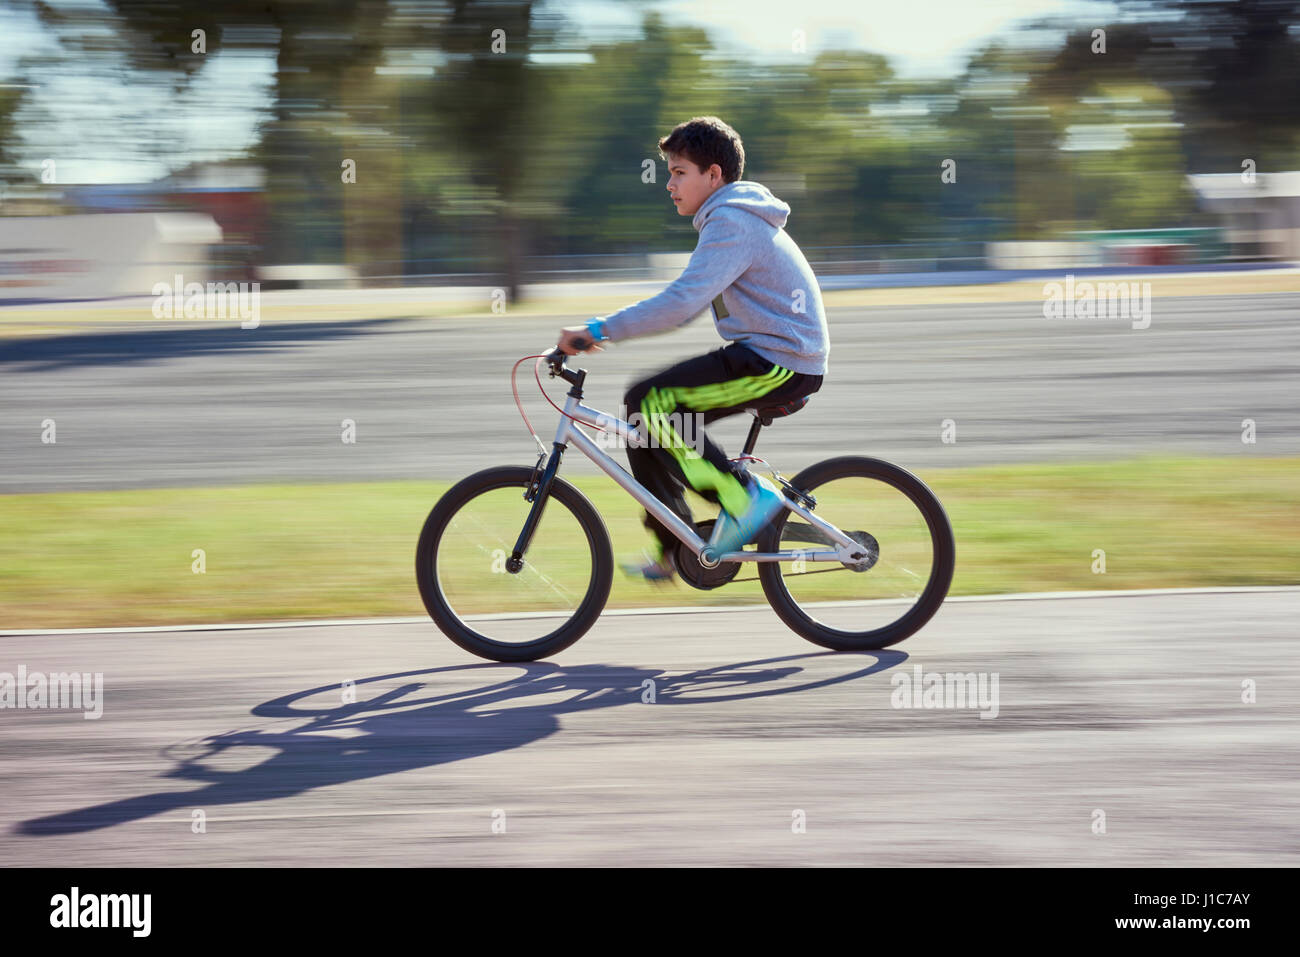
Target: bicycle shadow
[389, 733]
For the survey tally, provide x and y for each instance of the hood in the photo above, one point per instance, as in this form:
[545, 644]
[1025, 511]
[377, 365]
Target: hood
[747, 195]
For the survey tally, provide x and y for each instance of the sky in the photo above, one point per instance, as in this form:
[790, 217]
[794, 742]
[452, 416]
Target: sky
[925, 38]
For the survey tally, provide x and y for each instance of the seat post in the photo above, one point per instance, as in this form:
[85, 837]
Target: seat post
[753, 436]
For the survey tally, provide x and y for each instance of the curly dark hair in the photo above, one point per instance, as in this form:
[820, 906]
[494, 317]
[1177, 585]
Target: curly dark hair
[705, 140]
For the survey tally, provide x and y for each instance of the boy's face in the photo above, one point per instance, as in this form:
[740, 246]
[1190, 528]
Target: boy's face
[689, 186]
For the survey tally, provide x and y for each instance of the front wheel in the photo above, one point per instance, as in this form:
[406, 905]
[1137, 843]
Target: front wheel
[462, 571]
[889, 594]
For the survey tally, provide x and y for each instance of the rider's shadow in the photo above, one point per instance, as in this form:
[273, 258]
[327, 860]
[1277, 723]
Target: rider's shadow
[401, 730]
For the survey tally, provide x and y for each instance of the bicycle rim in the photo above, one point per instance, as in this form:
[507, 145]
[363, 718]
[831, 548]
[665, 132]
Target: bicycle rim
[512, 609]
[874, 596]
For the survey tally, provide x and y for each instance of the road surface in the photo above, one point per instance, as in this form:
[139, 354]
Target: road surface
[758, 748]
[430, 398]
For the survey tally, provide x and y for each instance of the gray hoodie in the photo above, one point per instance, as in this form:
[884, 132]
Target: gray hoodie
[770, 301]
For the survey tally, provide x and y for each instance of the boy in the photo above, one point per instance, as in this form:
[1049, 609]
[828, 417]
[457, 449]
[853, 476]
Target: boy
[765, 301]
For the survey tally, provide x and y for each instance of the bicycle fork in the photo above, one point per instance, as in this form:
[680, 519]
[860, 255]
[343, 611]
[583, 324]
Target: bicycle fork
[539, 488]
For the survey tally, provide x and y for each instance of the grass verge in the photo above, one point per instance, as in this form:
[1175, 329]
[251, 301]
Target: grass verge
[125, 558]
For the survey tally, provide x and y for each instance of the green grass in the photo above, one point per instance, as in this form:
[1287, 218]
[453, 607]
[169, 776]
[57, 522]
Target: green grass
[346, 550]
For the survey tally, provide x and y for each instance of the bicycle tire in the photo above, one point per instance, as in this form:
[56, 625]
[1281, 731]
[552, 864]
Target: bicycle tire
[476, 643]
[932, 596]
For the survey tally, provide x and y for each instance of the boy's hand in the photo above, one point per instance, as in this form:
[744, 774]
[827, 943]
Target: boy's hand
[575, 339]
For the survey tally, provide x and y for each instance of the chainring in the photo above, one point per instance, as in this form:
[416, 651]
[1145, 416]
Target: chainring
[695, 574]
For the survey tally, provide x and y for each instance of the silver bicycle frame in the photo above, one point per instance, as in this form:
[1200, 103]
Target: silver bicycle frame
[568, 432]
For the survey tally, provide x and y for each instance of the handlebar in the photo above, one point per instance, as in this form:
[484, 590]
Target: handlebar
[556, 359]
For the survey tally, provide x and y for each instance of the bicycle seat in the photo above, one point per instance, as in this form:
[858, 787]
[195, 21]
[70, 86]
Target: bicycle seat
[766, 413]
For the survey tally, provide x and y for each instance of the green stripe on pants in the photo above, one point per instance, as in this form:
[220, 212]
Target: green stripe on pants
[699, 472]
[721, 394]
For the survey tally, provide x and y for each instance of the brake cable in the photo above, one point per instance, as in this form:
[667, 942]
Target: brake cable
[514, 387]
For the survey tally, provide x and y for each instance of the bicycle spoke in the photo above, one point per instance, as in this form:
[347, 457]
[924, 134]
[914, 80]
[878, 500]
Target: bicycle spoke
[529, 567]
[564, 594]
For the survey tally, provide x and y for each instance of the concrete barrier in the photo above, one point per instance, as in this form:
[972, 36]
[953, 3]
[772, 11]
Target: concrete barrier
[1041, 255]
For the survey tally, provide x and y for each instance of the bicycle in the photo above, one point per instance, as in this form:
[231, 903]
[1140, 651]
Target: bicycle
[495, 566]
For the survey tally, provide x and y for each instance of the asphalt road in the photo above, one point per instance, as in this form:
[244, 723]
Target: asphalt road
[1124, 707]
[189, 405]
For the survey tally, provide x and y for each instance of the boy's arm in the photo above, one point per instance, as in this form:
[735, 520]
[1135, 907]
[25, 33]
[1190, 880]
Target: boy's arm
[722, 255]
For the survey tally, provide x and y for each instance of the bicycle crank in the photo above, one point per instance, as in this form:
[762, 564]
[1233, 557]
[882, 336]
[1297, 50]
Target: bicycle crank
[695, 574]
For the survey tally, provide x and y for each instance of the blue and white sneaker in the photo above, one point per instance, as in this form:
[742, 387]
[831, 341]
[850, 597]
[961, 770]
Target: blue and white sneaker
[765, 503]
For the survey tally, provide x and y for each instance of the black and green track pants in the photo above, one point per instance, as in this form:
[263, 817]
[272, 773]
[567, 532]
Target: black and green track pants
[672, 406]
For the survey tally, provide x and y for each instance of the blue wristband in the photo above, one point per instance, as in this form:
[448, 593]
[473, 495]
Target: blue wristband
[597, 329]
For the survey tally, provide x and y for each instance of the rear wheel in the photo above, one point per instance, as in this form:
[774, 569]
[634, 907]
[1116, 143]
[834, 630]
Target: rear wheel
[462, 571]
[894, 589]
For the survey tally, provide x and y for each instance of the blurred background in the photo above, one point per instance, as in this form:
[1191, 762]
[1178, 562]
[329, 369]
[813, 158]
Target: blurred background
[427, 191]
[503, 143]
